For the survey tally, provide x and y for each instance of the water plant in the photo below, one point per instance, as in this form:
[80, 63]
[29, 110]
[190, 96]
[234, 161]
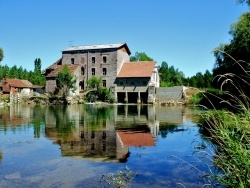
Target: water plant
[121, 179]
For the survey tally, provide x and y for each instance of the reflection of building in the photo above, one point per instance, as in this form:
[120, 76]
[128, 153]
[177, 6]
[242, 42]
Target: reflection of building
[108, 132]
[81, 140]
[136, 138]
[15, 115]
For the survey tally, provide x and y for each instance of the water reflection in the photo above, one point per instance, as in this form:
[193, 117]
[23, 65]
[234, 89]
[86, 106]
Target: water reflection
[99, 132]
[41, 145]
[94, 131]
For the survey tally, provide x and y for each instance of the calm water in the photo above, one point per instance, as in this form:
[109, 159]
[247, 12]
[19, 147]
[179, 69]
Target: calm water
[74, 146]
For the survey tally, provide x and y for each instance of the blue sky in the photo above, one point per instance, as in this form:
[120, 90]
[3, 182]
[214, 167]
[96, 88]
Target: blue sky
[183, 33]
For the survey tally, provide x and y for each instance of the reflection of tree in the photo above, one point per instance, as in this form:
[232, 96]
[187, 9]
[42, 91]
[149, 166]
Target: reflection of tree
[1, 156]
[38, 120]
[64, 125]
[165, 128]
[98, 116]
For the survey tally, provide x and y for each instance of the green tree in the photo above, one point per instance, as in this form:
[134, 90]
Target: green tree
[94, 82]
[4, 70]
[38, 65]
[208, 79]
[170, 76]
[13, 72]
[1, 54]
[234, 58]
[140, 56]
[65, 81]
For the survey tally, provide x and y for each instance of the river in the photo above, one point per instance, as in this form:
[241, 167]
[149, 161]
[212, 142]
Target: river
[81, 145]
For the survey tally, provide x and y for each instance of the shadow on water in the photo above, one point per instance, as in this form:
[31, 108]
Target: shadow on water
[141, 136]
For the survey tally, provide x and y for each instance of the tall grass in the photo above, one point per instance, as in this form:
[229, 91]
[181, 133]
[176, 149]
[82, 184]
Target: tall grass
[231, 134]
[229, 130]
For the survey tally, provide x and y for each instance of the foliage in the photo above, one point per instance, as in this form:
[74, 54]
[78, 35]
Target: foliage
[169, 76]
[38, 65]
[196, 99]
[104, 94]
[65, 81]
[229, 56]
[201, 80]
[121, 179]
[101, 93]
[94, 82]
[140, 56]
[1, 54]
[34, 77]
[230, 132]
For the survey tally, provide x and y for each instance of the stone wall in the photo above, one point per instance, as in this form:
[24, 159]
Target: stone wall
[164, 94]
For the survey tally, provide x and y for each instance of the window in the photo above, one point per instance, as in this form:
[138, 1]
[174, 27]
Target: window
[104, 84]
[82, 70]
[93, 59]
[93, 71]
[104, 59]
[104, 71]
[72, 60]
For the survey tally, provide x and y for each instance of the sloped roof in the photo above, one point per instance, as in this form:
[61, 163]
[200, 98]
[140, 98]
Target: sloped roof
[135, 138]
[137, 69]
[18, 83]
[97, 46]
[6, 83]
[58, 68]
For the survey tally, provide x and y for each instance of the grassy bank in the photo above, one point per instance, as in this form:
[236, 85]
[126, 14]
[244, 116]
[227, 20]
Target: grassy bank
[231, 134]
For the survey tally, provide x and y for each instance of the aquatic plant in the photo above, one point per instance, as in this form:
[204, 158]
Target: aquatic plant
[121, 179]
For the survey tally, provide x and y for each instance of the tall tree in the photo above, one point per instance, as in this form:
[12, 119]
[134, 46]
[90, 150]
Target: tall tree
[65, 81]
[234, 58]
[170, 76]
[140, 56]
[38, 65]
[1, 54]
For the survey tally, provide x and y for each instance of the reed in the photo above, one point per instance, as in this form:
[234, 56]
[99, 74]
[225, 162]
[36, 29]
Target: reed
[229, 130]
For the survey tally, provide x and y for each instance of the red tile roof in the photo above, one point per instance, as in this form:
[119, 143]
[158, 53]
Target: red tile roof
[137, 69]
[58, 68]
[136, 138]
[8, 82]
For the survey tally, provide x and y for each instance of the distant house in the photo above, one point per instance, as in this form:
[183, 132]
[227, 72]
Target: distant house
[14, 86]
[107, 61]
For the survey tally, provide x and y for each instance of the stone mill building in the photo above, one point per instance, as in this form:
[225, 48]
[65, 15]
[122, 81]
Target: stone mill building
[132, 82]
